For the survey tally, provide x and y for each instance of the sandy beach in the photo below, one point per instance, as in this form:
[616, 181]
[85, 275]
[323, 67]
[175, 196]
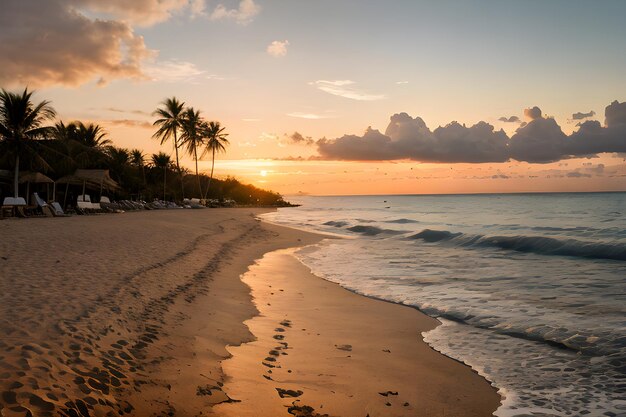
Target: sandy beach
[145, 314]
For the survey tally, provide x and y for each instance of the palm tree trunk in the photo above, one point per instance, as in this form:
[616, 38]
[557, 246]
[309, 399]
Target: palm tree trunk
[211, 177]
[145, 184]
[195, 156]
[164, 181]
[182, 184]
[16, 177]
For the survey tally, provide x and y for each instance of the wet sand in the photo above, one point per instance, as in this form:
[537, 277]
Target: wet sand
[322, 350]
[132, 314]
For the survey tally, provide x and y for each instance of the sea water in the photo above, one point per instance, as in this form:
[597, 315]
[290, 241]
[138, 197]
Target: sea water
[530, 288]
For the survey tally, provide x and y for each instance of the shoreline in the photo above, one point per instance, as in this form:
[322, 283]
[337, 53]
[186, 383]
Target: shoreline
[374, 361]
[132, 313]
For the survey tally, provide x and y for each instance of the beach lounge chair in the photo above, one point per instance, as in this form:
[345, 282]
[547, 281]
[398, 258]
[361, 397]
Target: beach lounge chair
[14, 205]
[105, 204]
[57, 210]
[84, 204]
[41, 205]
[195, 203]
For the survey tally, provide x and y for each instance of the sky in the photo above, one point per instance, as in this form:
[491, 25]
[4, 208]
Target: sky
[346, 97]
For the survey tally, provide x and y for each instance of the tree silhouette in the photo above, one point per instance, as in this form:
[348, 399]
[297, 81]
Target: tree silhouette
[169, 123]
[21, 124]
[216, 142]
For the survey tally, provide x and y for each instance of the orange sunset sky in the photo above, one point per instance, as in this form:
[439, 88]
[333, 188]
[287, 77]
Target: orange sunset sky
[349, 97]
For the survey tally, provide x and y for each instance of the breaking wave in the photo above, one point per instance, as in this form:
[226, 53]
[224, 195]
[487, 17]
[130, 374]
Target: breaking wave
[373, 230]
[540, 245]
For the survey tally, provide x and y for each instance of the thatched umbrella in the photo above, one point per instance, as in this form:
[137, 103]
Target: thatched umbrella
[36, 178]
[94, 178]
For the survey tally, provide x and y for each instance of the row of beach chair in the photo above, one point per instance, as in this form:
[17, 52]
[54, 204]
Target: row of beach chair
[18, 207]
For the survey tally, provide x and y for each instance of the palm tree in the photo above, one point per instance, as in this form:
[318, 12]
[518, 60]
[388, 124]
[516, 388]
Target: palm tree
[118, 160]
[162, 160]
[216, 142]
[21, 124]
[170, 121]
[138, 159]
[192, 137]
[91, 135]
[86, 145]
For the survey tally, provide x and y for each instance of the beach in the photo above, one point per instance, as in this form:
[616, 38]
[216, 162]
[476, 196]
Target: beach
[204, 312]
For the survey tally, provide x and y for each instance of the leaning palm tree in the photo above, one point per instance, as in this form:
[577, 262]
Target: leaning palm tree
[21, 123]
[170, 121]
[162, 160]
[216, 142]
[192, 137]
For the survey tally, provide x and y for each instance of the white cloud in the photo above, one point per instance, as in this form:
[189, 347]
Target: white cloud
[136, 12]
[243, 14]
[310, 116]
[345, 88]
[53, 43]
[175, 71]
[217, 77]
[268, 136]
[197, 7]
[402, 82]
[278, 48]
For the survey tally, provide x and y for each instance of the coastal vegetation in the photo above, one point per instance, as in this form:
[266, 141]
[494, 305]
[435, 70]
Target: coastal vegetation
[31, 139]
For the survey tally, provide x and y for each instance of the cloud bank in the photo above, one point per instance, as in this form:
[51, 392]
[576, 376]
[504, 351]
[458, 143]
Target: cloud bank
[72, 42]
[52, 42]
[539, 141]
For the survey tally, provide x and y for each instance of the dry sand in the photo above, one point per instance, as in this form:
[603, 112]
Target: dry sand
[131, 314]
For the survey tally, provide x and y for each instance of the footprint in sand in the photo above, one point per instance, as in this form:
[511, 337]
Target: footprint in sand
[288, 393]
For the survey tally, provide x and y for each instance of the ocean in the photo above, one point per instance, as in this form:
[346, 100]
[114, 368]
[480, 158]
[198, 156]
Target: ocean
[530, 288]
